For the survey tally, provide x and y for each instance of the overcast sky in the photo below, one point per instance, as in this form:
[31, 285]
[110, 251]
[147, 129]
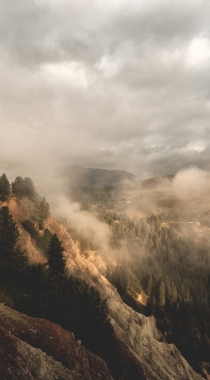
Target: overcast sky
[121, 84]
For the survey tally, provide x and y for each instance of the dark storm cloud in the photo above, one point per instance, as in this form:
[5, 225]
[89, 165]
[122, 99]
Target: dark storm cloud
[118, 85]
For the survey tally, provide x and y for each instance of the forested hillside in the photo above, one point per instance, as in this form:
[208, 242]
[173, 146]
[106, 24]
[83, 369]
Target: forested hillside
[47, 291]
[168, 258]
[162, 268]
[159, 266]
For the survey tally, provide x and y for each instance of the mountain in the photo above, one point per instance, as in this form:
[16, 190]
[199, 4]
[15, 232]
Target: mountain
[144, 354]
[89, 177]
[155, 181]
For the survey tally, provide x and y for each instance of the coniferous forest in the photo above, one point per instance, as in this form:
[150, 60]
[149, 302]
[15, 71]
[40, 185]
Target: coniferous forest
[164, 258]
[172, 267]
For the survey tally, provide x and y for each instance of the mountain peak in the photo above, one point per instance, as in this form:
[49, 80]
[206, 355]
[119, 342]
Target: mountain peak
[95, 177]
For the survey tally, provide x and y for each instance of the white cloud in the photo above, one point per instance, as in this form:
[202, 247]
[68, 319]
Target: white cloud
[108, 66]
[196, 146]
[169, 57]
[198, 53]
[70, 73]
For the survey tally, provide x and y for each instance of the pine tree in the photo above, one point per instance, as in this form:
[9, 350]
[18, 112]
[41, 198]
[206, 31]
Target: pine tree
[18, 187]
[9, 235]
[44, 210]
[56, 260]
[174, 293]
[30, 191]
[162, 297]
[5, 190]
[168, 289]
[8, 231]
[149, 285]
[24, 187]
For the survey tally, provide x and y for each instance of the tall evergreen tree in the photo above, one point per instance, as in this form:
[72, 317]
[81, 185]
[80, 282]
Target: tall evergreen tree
[149, 285]
[24, 187]
[162, 298]
[30, 191]
[8, 231]
[56, 260]
[5, 190]
[44, 210]
[9, 235]
[18, 187]
[174, 293]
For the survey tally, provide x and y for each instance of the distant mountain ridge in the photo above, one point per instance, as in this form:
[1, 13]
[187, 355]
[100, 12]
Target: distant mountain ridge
[154, 181]
[90, 177]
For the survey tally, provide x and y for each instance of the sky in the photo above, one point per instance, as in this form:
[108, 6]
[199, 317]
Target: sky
[121, 84]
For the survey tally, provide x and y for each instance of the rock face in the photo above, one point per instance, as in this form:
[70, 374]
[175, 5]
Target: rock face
[139, 340]
[33, 348]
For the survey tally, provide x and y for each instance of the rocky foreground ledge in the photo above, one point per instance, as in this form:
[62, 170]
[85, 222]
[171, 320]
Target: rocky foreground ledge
[33, 348]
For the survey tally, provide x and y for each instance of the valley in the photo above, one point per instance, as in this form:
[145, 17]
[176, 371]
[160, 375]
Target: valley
[140, 302]
[160, 239]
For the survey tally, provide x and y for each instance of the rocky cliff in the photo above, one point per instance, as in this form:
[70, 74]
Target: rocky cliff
[137, 334]
[32, 348]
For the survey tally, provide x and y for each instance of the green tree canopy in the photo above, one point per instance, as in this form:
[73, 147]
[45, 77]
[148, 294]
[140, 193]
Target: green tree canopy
[44, 210]
[5, 190]
[18, 187]
[9, 233]
[56, 260]
[162, 297]
[24, 187]
[30, 191]
[9, 253]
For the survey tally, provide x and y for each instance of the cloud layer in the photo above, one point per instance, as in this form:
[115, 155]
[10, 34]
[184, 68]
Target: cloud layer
[116, 85]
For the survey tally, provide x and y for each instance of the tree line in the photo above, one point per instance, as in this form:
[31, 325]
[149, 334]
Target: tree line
[24, 187]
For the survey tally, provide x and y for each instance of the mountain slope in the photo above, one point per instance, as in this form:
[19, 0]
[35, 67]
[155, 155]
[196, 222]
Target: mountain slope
[137, 335]
[33, 348]
[159, 360]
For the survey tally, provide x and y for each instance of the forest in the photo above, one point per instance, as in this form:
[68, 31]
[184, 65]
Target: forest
[164, 258]
[168, 261]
